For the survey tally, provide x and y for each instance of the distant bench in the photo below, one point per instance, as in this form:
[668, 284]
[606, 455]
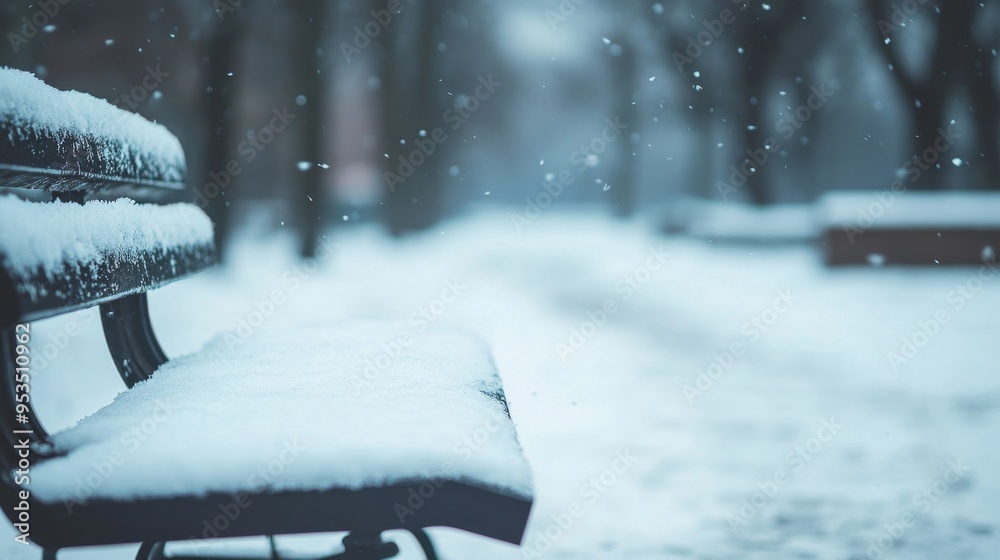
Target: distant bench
[269, 437]
[910, 228]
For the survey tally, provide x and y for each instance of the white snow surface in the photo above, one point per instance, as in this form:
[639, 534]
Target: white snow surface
[129, 143]
[354, 405]
[622, 391]
[48, 236]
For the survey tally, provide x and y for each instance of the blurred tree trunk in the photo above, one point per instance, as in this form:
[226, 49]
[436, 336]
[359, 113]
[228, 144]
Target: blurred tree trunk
[986, 108]
[699, 115]
[220, 115]
[310, 194]
[428, 191]
[927, 93]
[979, 77]
[759, 32]
[416, 203]
[625, 76]
[391, 116]
[807, 75]
[752, 133]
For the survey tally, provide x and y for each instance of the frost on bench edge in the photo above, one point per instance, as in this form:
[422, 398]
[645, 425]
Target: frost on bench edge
[46, 237]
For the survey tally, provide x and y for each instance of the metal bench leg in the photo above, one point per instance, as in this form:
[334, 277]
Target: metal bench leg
[130, 338]
[366, 546]
[370, 546]
[425, 543]
[151, 551]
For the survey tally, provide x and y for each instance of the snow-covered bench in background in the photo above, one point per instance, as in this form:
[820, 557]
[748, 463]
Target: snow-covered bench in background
[189, 451]
[910, 228]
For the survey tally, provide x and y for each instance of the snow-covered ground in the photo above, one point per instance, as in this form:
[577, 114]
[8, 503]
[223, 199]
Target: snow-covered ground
[656, 383]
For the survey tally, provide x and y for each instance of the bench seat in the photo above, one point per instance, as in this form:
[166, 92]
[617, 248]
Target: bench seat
[364, 425]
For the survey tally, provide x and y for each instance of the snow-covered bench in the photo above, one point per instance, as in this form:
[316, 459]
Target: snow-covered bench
[900, 227]
[268, 437]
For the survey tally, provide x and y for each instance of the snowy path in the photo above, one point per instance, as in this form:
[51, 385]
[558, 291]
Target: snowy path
[805, 406]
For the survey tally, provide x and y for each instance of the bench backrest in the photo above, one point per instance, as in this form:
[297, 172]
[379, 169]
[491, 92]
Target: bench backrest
[70, 142]
[68, 241]
[57, 257]
[70, 146]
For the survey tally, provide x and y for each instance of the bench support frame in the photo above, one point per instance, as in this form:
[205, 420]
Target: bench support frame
[357, 546]
[131, 341]
[134, 349]
[12, 430]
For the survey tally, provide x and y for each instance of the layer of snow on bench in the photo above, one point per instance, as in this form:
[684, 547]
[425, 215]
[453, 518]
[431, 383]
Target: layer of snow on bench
[357, 404]
[47, 236]
[31, 105]
[912, 209]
